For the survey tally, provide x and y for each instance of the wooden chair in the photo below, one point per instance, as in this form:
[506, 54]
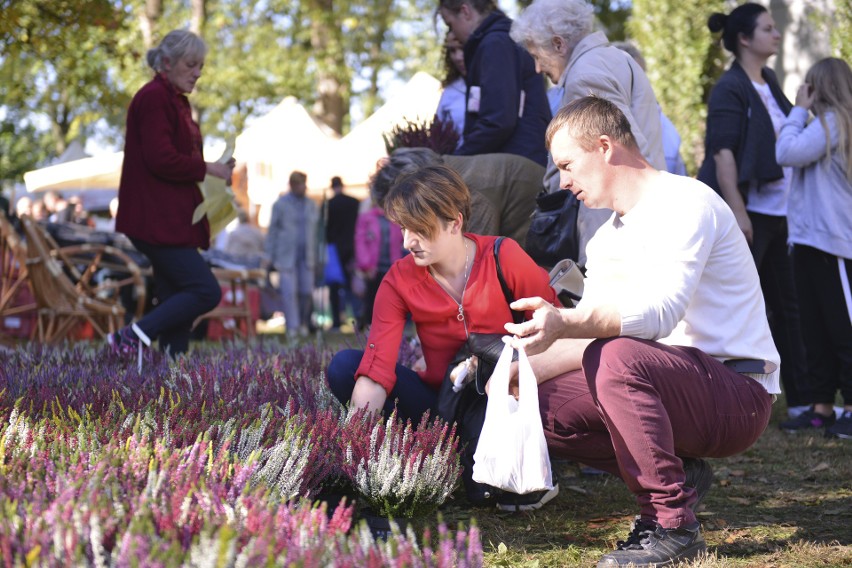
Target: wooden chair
[14, 284]
[100, 270]
[61, 302]
[235, 309]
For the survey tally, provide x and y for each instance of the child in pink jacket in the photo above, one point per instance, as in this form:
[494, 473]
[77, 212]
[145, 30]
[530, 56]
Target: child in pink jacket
[378, 244]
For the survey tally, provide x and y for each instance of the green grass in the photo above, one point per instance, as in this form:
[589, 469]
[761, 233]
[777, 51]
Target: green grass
[786, 502]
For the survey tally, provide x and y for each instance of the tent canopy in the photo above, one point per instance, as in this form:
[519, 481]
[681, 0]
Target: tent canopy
[288, 139]
[98, 172]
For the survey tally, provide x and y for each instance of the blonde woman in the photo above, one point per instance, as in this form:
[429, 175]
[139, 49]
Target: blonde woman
[821, 235]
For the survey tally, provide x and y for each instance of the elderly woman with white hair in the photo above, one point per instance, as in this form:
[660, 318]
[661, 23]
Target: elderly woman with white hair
[158, 194]
[560, 36]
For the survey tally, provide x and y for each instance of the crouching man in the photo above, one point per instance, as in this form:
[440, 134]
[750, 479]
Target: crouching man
[668, 358]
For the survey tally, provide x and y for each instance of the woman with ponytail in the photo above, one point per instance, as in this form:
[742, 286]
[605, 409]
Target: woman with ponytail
[744, 115]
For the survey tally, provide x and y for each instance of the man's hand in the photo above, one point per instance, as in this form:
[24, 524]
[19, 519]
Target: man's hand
[514, 388]
[539, 333]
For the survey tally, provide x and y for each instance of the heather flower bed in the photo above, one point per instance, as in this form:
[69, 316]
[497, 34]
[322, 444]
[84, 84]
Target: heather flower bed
[215, 460]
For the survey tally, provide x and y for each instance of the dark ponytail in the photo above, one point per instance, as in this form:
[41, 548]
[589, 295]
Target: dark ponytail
[741, 21]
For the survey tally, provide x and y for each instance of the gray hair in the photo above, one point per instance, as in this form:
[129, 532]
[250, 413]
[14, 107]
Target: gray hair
[572, 20]
[631, 50]
[402, 161]
[176, 45]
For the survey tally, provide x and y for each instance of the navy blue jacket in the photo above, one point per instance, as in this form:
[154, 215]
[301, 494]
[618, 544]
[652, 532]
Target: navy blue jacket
[738, 120]
[500, 70]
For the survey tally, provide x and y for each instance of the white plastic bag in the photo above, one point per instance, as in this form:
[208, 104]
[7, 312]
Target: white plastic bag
[512, 452]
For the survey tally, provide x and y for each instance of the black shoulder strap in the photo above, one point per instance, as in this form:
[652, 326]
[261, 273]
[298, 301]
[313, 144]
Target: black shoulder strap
[517, 317]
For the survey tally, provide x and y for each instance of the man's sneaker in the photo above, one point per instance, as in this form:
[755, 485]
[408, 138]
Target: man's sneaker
[650, 545]
[807, 420]
[514, 502]
[842, 428]
[699, 476]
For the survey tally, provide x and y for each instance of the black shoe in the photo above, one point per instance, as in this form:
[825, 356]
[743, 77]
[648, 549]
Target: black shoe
[514, 502]
[842, 427]
[699, 476]
[808, 420]
[651, 545]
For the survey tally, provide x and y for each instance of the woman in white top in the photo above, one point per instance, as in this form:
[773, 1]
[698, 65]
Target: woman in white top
[452, 103]
[820, 205]
[744, 115]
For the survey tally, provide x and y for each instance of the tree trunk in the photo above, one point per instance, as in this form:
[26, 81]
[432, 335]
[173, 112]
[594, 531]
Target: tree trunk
[198, 16]
[148, 21]
[332, 78]
[382, 15]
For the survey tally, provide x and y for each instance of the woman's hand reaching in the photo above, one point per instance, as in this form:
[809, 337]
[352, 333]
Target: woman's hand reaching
[805, 96]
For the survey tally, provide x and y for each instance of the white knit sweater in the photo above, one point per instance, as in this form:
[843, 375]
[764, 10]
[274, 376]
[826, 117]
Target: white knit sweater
[679, 270]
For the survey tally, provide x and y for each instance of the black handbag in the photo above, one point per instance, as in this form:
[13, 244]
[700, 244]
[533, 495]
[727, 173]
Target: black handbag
[466, 408]
[552, 235]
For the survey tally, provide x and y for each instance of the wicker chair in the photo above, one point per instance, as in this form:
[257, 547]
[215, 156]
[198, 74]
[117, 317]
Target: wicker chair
[14, 284]
[61, 302]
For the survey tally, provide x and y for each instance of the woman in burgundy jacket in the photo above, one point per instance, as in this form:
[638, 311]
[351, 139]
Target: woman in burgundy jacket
[158, 193]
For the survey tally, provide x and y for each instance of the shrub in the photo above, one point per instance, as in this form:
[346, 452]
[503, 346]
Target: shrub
[208, 460]
[406, 472]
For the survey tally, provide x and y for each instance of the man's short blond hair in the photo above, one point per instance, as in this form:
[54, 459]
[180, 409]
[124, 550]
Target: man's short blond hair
[589, 118]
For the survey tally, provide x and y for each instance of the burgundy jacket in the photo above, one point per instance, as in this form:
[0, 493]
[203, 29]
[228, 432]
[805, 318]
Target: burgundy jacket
[163, 164]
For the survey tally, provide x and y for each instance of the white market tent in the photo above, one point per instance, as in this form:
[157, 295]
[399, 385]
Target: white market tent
[94, 179]
[358, 151]
[97, 172]
[283, 140]
[288, 139]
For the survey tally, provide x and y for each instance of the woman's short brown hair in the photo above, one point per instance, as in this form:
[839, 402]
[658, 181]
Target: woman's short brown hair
[424, 200]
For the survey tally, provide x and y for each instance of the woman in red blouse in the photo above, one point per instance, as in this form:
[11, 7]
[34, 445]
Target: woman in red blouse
[158, 193]
[448, 285]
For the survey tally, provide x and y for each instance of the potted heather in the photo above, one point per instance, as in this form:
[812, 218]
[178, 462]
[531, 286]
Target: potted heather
[402, 473]
[438, 135]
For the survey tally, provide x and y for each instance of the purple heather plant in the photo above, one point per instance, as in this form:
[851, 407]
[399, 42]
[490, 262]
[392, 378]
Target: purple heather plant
[407, 472]
[437, 134]
[189, 461]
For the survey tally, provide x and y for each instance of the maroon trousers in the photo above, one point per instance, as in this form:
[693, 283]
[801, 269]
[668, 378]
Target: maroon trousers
[638, 406]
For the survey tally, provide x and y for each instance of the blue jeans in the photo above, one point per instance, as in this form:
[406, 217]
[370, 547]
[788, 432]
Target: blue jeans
[185, 288]
[411, 395]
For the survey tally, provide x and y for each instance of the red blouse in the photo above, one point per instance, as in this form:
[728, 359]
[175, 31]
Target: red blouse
[411, 289]
[163, 164]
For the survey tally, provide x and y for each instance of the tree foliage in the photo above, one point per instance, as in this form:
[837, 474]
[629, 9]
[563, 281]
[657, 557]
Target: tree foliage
[68, 68]
[841, 31]
[683, 60]
[56, 56]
